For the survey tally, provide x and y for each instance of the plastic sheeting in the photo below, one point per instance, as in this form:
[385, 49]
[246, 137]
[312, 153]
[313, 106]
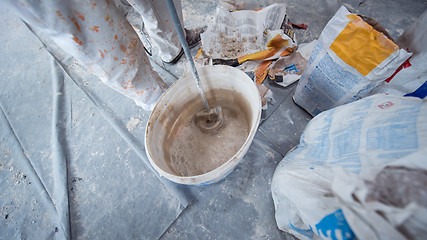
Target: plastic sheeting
[69, 167]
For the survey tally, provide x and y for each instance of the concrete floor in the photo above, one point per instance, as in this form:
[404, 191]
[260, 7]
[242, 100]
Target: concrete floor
[111, 191]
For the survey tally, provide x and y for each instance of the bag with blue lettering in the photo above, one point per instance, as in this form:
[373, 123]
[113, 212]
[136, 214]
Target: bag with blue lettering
[359, 171]
[350, 59]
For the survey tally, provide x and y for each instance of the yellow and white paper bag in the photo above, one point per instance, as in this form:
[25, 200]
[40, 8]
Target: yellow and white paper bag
[350, 59]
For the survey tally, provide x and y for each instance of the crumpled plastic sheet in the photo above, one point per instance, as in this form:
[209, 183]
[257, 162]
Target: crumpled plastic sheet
[70, 168]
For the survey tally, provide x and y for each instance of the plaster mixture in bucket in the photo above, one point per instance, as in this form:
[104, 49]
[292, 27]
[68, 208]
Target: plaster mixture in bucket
[192, 152]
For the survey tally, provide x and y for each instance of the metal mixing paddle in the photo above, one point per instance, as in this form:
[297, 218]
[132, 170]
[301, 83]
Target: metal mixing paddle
[208, 119]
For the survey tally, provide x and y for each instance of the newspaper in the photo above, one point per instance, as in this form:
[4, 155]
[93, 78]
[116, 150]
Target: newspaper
[239, 33]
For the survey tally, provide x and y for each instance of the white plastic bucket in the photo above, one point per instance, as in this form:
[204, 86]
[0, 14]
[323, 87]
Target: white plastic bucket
[175, 100]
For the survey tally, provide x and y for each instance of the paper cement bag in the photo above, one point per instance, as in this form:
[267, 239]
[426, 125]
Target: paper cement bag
[349, 60]
[386, 202]
[239, 33]
[358, 171]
